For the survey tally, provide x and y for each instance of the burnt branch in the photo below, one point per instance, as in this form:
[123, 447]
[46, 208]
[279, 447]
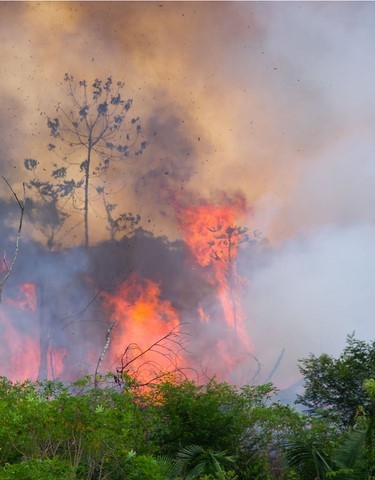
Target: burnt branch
[137, 362]
[105, 348]
[9, 267]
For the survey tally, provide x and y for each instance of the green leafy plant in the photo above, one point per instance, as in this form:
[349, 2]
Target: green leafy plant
[195, 461]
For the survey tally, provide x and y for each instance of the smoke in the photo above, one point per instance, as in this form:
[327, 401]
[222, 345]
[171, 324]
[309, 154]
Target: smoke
[271, 101]
[310, 293]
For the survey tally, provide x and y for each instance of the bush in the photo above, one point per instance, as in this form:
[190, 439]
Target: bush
[53, 469]
[145, 467]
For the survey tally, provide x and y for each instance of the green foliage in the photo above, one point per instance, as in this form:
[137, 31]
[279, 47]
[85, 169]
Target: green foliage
[369, 386]
[212, 415]
[310, 462]
[195, 461]
[92, 432]
[50, 469]
[334, 388]
[204, 432]
[146, 467]
[269, 426]
[245, 422]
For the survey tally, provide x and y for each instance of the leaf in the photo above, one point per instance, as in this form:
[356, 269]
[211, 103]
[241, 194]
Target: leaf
[103, 108]
[59, 173]
[30, 163]
[82, 113]
[54, 125]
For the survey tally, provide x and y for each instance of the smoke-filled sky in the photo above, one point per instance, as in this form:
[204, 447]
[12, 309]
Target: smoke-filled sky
[271, 101]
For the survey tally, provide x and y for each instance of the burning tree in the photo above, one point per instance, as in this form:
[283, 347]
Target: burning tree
[214, 238]
[87, 139]
[224, 244]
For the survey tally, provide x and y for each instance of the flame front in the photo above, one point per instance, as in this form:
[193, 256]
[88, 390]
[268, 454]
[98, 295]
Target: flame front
[20, 353]
[213, 238]
[21, 334]
[143, 319]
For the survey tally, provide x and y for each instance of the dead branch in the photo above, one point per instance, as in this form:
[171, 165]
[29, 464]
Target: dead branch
[105, 348]
[9, 267]
[135, 360]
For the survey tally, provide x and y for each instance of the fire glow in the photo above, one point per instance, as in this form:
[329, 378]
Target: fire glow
[21, 333]
[145, 310]
[142, 318]
[213, 238]
[20, 355]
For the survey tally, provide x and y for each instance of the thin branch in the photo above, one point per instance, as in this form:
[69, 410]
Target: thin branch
[9, 267]
[134, 360]
[107, 341]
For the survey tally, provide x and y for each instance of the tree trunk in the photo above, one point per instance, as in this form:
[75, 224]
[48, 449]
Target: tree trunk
[87, 179]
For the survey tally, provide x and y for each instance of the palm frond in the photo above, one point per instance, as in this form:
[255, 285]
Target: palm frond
[169, 465]
[309, 458]
[194, 460]
[352, 450]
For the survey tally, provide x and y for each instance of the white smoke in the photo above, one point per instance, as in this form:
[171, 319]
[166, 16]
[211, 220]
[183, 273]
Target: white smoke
[310, 294]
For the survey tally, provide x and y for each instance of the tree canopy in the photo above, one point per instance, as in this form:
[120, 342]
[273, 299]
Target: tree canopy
[87, 137]
[334, 387]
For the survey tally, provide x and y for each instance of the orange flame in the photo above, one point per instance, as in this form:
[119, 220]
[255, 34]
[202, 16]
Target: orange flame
[143, 318]
[213, 238]
[198, 222]
[20, 355]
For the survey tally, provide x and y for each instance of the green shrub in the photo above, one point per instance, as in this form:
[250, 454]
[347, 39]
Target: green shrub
[145, 467]
[53, 469]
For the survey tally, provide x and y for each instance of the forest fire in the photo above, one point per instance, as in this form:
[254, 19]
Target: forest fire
[26, 299]
[143, 320]
[149, 307]
[21, 334]
[213, 238]
[20, 354]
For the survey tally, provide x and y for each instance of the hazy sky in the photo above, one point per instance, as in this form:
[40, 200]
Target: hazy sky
[272, 100]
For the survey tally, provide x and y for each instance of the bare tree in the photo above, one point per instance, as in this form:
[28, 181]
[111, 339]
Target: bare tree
[9, 266]
[88, 138]
[225, 242]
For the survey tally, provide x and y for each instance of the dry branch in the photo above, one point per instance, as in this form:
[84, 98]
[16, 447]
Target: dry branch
[135, 361]
[105, 348]
[9, 267]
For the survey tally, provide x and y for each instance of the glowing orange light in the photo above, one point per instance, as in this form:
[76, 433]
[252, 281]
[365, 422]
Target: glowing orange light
[20, 353]
[210, 233]
[142, 319]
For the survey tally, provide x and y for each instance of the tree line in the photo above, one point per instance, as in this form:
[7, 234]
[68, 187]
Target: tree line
[179, 430]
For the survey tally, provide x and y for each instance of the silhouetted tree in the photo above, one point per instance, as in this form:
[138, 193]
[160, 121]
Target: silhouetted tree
[87, 139]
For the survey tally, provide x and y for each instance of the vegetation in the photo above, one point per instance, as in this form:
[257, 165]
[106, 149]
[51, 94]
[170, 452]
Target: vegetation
[121, 427]
[334, 387]
[179, 430]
